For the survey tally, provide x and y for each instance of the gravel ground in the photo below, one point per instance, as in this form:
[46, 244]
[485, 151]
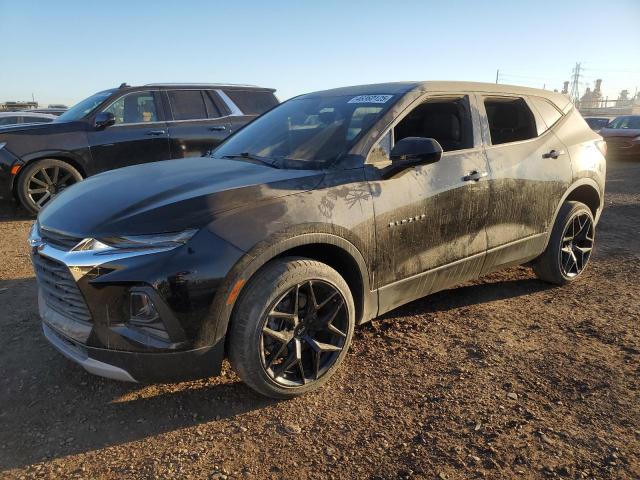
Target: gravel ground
[505, 377]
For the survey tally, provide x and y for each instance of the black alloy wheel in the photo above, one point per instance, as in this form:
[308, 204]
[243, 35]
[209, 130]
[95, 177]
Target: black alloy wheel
[304, 333]
[577, 245]
[569, 247]
[291, 327]
[41, 181]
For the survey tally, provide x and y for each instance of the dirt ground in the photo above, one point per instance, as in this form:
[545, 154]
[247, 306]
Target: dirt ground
[505, 377]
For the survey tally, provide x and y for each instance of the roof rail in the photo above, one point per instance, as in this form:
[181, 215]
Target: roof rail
[200, 84]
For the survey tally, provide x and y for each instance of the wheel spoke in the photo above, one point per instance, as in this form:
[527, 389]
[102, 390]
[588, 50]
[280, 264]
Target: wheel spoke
[274, 356]
[287, 364]
[281, 336]
[36, 190]
[37, 181]
[328, 299]
[56, 171]
[332, 328]
[42, 199]
[316, 364]
[64, 179]
[314, 301]
[332, 316]
[276, 314]
[46, 176]
[320, 346]
[301, 367]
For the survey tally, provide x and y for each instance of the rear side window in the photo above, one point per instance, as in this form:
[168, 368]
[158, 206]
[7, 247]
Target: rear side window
[510, 120]
[252, 102]
[8, 120]
[212, 110]
[187, 104]
[550, 114]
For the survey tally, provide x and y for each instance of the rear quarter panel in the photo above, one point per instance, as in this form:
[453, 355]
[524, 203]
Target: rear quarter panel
[587, 161]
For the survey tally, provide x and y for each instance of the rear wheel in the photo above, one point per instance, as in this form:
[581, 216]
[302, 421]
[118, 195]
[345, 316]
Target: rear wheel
[40, 181]
[570, 246]
[292, 327]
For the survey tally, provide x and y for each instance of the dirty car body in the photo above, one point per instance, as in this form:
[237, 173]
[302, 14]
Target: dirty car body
[141, 282]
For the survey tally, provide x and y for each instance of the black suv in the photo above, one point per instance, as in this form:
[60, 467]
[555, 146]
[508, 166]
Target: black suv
[119, 127]
[329, 210]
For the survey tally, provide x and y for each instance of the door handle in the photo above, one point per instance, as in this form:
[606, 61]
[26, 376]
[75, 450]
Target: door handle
[474, 176]
[218, 128]
[156, 132]
[553, 154]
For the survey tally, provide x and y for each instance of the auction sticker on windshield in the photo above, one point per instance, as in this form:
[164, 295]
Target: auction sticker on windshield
[370, 99]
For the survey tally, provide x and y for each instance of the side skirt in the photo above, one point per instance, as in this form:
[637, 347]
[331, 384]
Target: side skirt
[406, 290]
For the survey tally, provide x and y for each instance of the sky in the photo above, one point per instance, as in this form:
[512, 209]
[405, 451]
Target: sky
[62, 51]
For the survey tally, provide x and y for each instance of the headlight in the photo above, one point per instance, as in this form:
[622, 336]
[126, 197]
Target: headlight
[2, 144]
[637, 139]
[137, 242]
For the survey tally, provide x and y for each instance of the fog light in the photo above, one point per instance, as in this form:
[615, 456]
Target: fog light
[143, 311]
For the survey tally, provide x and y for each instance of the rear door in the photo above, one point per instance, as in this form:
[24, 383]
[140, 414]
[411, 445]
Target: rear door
[430, 220]
[530, 172]
[139, 134]
[197, 125]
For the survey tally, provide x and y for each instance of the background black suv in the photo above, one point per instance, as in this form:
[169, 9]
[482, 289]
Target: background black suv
[119, 127]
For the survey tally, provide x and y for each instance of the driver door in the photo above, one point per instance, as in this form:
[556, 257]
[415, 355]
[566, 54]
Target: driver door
[139, 134]
[430, 219]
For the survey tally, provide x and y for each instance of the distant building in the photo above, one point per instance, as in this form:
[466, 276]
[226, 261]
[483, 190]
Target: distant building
[16, 106]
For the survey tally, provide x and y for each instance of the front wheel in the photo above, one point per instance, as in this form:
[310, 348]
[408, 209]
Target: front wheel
[570, 246]
[291, 328]
[40, 181]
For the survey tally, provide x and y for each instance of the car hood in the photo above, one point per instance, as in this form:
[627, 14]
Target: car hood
[619, 132]
[167, 196]
[31, 127]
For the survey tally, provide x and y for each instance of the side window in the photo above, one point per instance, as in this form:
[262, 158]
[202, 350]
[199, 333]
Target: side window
[510, 120]
[550, 114]
[136, 107]
[252, 102]
[447, 120]
[212, 110]
[8, 120]
[187, 104]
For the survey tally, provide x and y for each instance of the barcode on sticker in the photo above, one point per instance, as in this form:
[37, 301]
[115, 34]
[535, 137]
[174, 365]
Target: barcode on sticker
[370, 99]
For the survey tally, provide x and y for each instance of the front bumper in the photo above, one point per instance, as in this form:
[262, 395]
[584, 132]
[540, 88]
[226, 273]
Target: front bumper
[88, 321]
[139, 367]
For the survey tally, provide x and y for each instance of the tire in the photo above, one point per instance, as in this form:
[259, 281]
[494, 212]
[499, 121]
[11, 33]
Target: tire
[262, 345]
[36, 189]
[570, 245]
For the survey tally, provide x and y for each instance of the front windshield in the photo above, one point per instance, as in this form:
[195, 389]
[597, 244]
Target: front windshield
[307, 132]
[84, 107]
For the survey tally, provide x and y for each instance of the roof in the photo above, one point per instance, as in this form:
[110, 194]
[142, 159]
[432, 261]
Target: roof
[395, 88]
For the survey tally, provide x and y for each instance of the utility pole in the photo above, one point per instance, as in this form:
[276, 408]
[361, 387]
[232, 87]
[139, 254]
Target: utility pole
[575, 84]
[497, 75]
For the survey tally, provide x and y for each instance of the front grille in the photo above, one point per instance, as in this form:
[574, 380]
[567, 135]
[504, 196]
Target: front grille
[59, 289]
[59, 240]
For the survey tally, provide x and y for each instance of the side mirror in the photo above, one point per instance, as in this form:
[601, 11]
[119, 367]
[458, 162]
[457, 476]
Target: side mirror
[413, 151]
[104, 119]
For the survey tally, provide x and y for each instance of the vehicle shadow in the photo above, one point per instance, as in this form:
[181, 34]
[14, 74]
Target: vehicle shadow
[487, 289]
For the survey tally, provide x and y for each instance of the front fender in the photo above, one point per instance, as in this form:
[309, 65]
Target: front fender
[227, 294]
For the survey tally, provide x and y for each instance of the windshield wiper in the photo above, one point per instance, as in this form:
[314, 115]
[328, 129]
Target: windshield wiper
[266, 161]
